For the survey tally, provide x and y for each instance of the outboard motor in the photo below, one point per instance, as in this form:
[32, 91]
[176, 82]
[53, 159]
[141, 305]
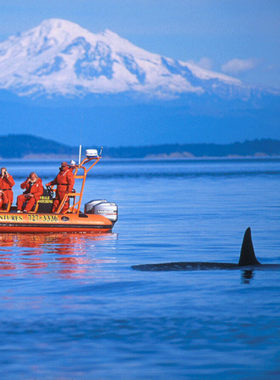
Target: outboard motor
[104, 208]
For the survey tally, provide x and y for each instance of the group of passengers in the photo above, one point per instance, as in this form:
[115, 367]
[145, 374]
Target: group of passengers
[33, 189]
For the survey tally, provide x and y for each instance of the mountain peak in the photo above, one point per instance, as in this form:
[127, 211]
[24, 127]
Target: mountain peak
[58, 23]
[60, 58]
[61, 30]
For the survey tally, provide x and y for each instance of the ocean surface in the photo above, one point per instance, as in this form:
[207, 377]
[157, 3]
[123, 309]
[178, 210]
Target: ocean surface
[71, 306]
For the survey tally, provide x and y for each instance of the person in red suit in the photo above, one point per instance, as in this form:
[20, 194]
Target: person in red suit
[6, 192]
[65, 182]
[33, 190]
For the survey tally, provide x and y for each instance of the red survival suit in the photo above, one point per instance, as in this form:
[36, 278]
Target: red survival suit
[35, 189]
[65, 182]
[6, 184]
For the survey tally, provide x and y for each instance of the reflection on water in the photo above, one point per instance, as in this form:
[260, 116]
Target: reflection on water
[247, 276]
[66, 254]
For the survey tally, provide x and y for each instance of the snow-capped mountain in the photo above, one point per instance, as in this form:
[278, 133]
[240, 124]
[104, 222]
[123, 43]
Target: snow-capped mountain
[58, 73]
[60, 58]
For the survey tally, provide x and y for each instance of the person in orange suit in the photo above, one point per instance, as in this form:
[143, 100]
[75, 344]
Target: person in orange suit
[33, 190]
[65, 182]
[6, 192]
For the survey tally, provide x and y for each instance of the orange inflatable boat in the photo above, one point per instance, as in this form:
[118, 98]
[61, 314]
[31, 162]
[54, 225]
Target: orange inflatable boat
[98, 215]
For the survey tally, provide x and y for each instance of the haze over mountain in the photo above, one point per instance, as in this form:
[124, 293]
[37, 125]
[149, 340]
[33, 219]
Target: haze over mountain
[56, 74]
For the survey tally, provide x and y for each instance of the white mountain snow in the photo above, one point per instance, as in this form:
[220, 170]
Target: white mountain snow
[59, 57]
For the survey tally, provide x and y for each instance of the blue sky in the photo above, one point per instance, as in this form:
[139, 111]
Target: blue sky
[237, 37]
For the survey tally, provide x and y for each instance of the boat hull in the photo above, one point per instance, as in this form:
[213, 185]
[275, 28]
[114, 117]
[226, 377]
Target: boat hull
[40, 223]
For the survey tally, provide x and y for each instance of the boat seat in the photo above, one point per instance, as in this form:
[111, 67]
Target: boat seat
[34, 208]
[8, 207]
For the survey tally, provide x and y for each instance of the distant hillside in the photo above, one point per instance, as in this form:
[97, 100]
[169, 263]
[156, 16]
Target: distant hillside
[20, 146]
[28, 146]
[256, 148]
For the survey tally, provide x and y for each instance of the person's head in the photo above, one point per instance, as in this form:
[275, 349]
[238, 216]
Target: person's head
[3, 171]
[63, 166]
[33, 176]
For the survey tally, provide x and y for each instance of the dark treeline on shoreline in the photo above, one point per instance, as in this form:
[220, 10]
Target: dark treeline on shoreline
[23, 146]
[263, 147]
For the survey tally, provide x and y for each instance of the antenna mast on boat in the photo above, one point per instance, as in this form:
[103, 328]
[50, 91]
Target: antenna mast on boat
[80, 147]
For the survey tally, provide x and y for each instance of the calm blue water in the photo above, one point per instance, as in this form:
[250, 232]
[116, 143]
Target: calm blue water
[71, 307]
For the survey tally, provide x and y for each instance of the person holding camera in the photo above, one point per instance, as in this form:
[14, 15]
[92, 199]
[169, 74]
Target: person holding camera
[33, 190]
[6, 192]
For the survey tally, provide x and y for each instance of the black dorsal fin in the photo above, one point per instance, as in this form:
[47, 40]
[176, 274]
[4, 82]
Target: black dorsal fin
[247, 254]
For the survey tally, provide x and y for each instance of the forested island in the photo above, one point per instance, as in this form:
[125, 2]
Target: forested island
[32, 147]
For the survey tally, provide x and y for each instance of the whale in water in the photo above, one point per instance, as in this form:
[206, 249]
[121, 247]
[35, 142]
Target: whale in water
[247, 260]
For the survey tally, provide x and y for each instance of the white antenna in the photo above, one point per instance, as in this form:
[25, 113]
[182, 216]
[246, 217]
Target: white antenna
[80, 148]
[80, 153]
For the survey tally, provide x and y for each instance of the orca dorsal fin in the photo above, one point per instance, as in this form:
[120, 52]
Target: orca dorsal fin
[247, 254]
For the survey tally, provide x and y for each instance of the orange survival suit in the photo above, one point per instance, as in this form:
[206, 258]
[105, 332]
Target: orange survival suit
[35, 190]
[65, 182]
[6, 192]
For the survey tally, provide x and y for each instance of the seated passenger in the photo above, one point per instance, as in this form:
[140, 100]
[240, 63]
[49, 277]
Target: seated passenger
[34, 189]
[6, 192]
